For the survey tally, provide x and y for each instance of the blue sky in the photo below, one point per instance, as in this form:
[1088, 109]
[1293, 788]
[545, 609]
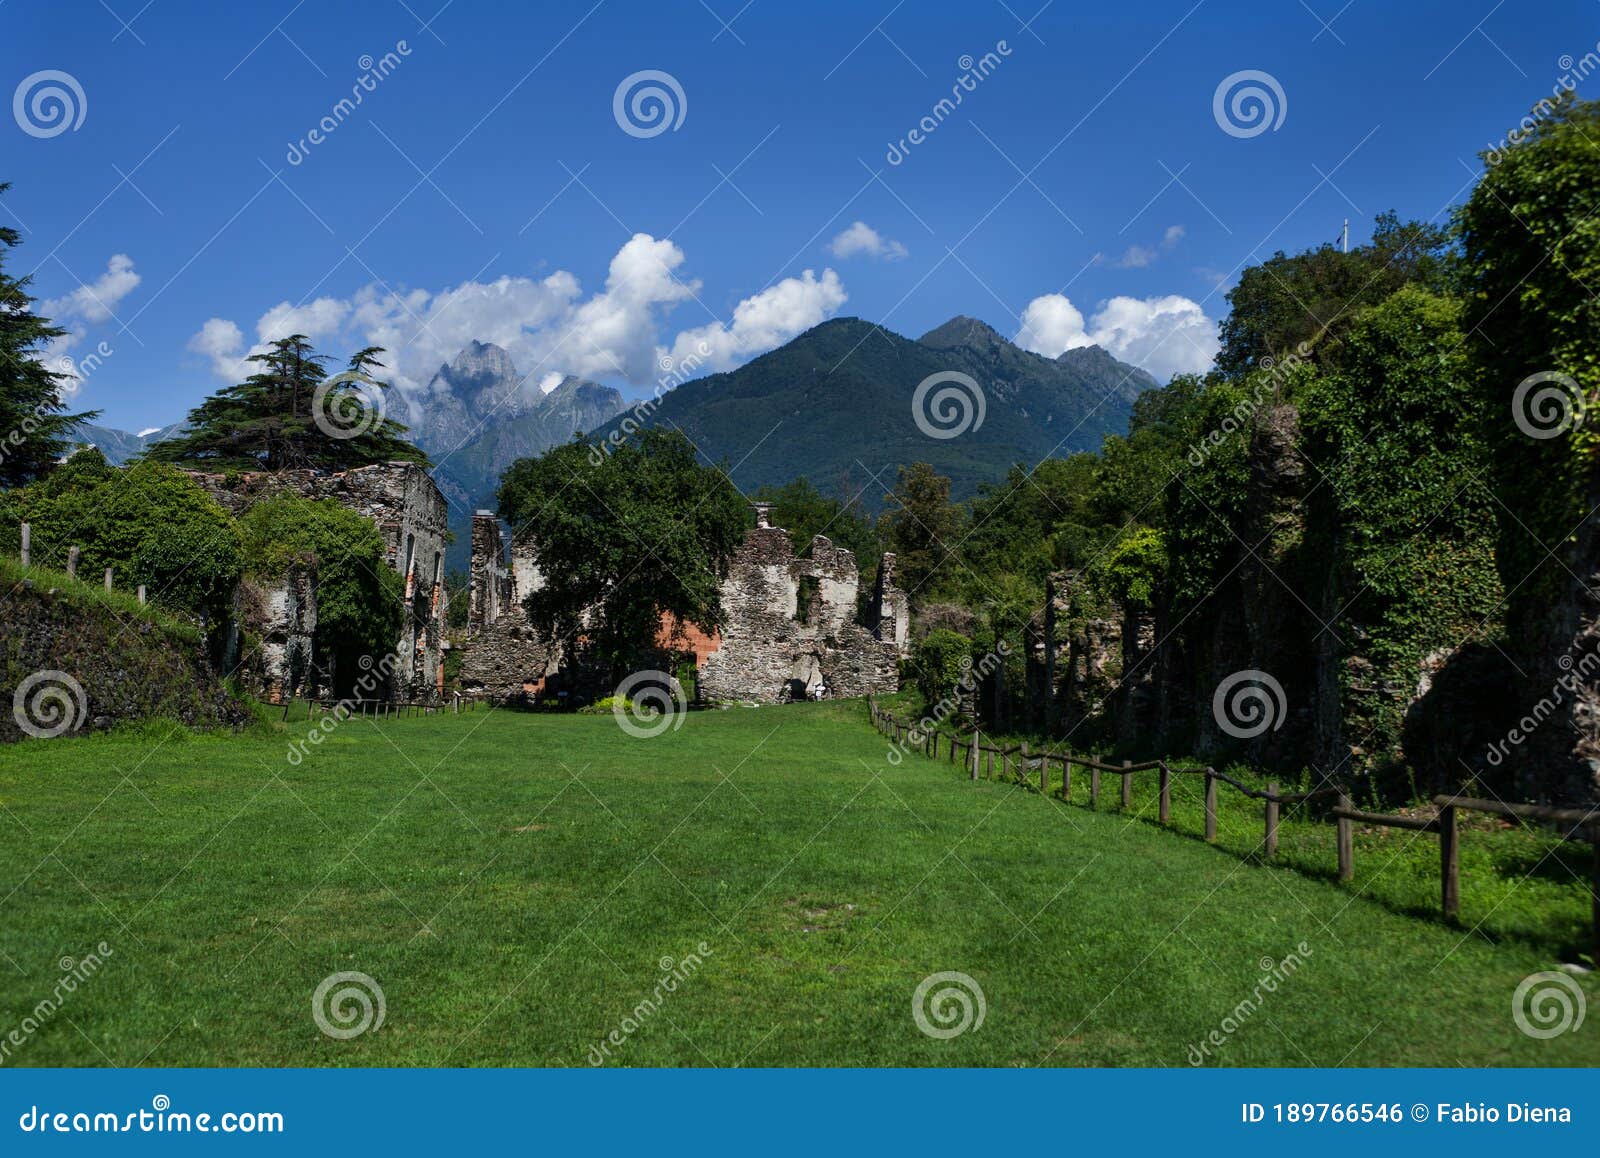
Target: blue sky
[484, 186]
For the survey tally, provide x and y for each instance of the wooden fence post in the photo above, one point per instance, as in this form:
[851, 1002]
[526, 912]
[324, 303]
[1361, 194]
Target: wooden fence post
[108, 578]
[989, 760]
[1127, 787]
[975, 735]
[1272, 818]
[1044, 775]
[27, 545]
[1094, 786]
[1347, 852]
[1449, 864]
[1165, 808]
[1066, 779]
[1022, 765]
[1211, 804]
[72, 562]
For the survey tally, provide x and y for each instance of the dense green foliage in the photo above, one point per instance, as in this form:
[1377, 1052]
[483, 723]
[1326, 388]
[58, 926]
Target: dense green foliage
[151, 523]
[359, 596]
[34, 424]
[1532, 250]
[625, 535]
[291, 414]
[941, 658]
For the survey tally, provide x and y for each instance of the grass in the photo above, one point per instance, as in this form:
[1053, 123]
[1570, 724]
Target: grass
[1518, 882]
[515, 882]
[119, 600]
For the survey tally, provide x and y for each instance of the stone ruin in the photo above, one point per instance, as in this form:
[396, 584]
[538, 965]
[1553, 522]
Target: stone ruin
[409, 511]
[793, 626]
[504, 657]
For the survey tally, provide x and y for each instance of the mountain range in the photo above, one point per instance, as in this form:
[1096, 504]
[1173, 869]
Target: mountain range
[839, 404]
[835, 404]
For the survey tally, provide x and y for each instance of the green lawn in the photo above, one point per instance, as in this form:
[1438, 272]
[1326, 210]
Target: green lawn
[514, 882]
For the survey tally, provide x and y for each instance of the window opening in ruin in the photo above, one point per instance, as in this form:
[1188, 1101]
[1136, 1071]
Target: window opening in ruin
[806, 592]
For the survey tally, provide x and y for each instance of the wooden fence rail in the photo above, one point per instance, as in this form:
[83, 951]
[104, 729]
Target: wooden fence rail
[1573, 824]
[386, 709]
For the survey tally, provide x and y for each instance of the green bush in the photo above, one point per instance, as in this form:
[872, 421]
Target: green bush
[941, 659]
[151, 523]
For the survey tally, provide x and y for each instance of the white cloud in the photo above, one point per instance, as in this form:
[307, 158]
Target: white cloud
[1164, 335]
[761, 322]
[861, 238]
[547, 325]
[97, 301]
[1139, 256]
[222, 342]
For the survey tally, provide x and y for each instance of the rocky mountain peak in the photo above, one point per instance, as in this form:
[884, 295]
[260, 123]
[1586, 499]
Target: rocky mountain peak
[962, 331]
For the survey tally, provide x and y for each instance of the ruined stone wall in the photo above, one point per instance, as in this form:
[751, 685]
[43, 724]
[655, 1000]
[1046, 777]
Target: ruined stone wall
[891, 608]
[503, 655]
[772, 648]
[411, 514]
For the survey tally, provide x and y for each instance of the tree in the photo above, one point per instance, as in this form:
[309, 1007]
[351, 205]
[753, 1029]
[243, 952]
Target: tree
[922, 528]
[33, 425]
[624, 539]
[1289, 300]
[291, 414]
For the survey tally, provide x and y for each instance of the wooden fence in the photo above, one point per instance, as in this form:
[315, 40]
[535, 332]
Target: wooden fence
[1018, 765]
[388, 709]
